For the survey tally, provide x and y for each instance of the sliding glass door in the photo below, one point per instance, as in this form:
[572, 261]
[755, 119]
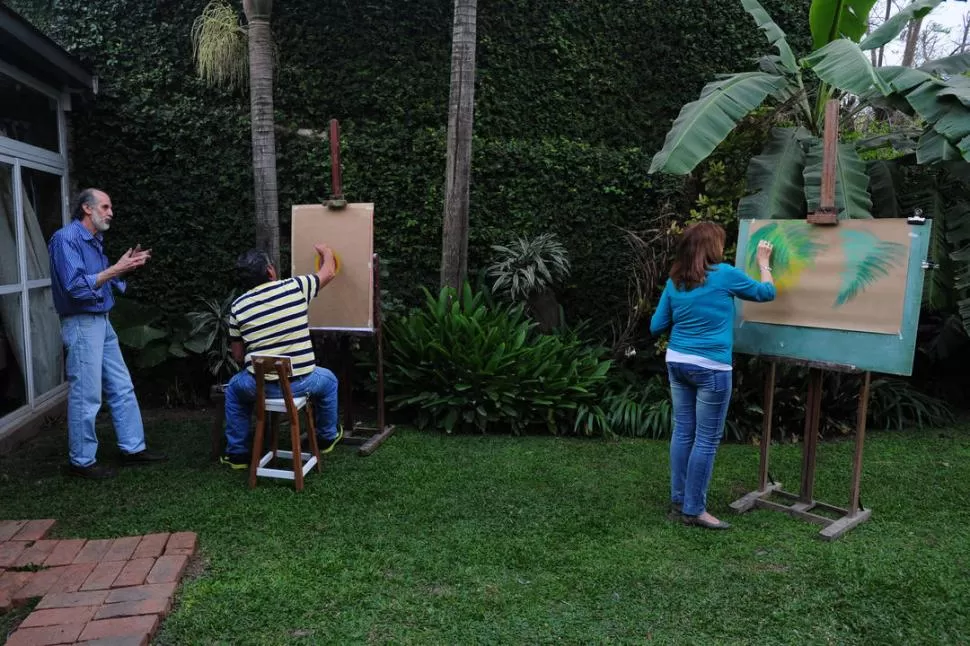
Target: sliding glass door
[31, 353]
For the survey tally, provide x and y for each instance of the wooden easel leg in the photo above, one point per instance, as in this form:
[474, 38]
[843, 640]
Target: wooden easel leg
[813, 414]
[346, 385]
[766, 427]
[750, 500]
[855, 515]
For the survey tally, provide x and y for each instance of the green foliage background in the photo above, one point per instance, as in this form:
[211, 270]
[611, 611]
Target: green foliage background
[572, 99]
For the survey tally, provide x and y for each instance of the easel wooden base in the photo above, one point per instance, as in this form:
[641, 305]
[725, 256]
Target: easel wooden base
[803, 504]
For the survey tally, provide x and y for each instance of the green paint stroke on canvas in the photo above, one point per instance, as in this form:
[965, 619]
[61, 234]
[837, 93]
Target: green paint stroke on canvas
[796, 246]
[867, 260]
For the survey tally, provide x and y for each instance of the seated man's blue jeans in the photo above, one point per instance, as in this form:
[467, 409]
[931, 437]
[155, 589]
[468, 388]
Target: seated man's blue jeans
[94, 364]
[700, 401]
[320, 386]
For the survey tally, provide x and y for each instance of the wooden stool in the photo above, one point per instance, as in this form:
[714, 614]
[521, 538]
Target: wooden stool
[302, 462]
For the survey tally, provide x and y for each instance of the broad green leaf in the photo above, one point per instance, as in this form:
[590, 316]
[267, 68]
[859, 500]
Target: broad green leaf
[140, 336]
[903, 140]
[903, 79]
[883, 180]
[153, 354]
[843, 65]
[964, 147]
[832, 19]
[703, 124]
[774, 33]
[852, 199]
[892, 27]
[961, 94]
[934, 147]
[776, 177]
[949, 65]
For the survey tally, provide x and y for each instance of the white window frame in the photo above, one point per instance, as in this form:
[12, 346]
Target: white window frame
[22, 155]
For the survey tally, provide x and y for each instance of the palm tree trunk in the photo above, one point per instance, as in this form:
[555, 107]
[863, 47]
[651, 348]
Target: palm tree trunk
[264, 136]
[461, 112]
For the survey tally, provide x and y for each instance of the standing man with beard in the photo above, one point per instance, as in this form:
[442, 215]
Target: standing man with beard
[82, 283]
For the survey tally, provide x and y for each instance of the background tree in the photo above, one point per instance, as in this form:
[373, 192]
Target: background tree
[220, 47]
[461, 113]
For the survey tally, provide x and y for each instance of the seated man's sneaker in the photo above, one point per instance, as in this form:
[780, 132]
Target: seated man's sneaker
[235, 462]
[96, 471]
[326, 445]
[142, 457]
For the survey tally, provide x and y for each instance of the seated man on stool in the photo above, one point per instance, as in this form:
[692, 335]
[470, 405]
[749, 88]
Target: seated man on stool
[271, 318]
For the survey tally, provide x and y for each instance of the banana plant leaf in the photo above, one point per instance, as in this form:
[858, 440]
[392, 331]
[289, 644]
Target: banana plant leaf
[949, 65]
[851, 182]
[934, 147]
[888, 30]
[843, 65]
[773, 32]
[831, 19]
[140, 336]
[776, 177]
[883, 180]
[703, 124]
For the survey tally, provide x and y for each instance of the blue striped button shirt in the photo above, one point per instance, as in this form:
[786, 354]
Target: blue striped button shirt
[77, 257]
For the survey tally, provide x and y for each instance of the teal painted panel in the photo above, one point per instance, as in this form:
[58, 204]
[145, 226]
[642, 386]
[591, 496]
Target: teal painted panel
[887, 353]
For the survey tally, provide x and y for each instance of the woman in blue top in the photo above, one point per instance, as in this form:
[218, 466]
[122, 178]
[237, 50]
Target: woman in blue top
[697, 306]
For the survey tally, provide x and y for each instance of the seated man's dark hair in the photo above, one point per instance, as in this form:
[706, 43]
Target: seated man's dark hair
[251, 268]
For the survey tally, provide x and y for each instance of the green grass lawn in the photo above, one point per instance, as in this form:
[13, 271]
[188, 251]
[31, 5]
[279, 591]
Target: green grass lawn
[500, 540]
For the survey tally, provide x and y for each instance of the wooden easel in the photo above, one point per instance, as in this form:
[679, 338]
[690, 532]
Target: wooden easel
[803, 503]
[368, 438]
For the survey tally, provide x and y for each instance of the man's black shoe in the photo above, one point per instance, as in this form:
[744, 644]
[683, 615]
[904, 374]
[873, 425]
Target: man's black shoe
[96, 471]
[142, 457]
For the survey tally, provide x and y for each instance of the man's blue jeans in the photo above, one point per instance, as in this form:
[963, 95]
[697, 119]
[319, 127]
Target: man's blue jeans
[700, 402]
[320, 386]
[94, 362]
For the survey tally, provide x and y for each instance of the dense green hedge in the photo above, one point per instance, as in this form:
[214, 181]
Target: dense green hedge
[572, 99]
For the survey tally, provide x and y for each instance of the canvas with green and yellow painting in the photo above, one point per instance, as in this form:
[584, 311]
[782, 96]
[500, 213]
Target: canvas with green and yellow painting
[846, 277]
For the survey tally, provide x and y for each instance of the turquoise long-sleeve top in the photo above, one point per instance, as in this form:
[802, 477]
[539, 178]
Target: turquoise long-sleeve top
[701, 320]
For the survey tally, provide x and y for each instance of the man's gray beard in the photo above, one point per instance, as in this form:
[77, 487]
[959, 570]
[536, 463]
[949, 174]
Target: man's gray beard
[100, 224]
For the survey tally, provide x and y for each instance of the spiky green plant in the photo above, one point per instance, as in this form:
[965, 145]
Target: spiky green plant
[219, 46]
[529, 266]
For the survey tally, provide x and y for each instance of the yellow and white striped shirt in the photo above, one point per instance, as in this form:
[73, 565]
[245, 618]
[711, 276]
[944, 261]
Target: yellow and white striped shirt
[272, 319]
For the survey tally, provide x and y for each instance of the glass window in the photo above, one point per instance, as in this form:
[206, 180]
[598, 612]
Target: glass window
[46, 351]
[27, 115]
[9, 258]
[42, 217]
[13, 384]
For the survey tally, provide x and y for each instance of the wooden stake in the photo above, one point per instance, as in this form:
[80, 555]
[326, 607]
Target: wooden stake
[337, 200]
[827, 213]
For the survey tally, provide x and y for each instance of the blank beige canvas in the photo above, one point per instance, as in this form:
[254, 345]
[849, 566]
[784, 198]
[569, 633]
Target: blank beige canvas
[809, 284]
[348, 301]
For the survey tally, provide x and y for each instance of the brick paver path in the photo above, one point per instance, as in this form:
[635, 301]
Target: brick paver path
[101, 592]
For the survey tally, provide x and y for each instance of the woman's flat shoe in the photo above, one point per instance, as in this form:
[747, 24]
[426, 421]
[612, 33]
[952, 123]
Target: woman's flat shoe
[696, 520]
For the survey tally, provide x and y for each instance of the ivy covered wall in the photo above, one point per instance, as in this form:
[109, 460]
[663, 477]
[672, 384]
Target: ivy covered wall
[572, 100]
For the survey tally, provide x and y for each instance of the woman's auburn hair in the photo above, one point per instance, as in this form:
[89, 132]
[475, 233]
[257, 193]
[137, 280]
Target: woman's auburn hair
[700, 246]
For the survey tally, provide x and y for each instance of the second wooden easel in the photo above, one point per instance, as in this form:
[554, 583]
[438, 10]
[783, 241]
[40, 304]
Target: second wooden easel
[803, 504]
[368, 438]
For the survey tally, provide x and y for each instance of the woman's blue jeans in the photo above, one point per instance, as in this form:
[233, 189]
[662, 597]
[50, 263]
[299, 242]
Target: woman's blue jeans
[700, 400]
